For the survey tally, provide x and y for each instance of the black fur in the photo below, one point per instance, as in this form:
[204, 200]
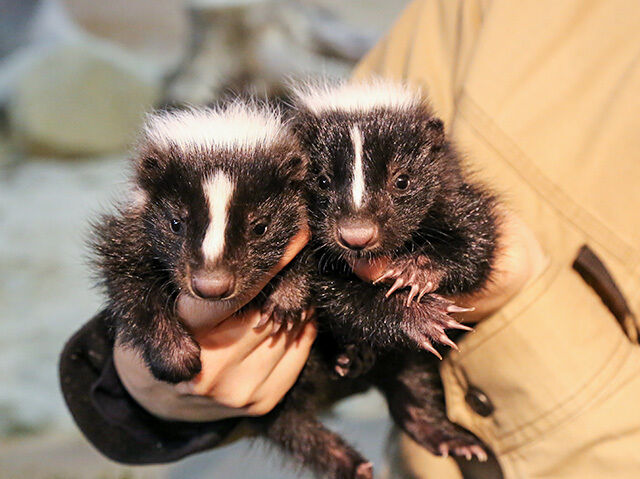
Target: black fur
[441, 229]
[143, 265]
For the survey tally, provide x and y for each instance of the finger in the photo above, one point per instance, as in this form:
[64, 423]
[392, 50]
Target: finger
[235, 384]
[228, 345]
[270, 353]
[224, 351]
[242, 364]
[199, 314]
[370, 270]
[162, 399]
[285, 374]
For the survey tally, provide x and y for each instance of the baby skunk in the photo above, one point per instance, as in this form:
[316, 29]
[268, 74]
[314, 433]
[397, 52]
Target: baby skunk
[219, 194]
[385, 183]
[217, 197]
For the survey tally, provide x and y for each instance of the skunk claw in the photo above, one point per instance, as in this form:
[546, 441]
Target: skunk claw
[340, 370]
[386, 275]
[264, 317]
[397, 285]
[412, 294]
[364, 471]
[343, 360]
[429, 347]
[452, 308]
[444, 339]
[453, 324]
[427, 289]
[444, 449]
[479, 453]
[277, 326]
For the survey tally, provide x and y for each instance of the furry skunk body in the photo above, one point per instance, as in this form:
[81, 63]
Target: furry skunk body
[217, 198]
[386, 183]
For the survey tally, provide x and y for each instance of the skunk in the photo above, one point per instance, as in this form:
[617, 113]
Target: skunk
[384, 182]
[217, 197]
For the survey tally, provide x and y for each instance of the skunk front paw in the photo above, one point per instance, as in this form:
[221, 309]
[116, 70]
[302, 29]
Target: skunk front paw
[427, 320]
[415, 273]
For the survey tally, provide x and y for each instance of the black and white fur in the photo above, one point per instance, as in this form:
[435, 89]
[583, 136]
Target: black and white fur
[218, 196]
[385, 183]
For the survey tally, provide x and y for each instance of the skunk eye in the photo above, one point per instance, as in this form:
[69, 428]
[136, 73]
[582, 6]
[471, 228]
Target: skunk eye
[402, 182]
[323, 182]
[260, 229]
[176, 225]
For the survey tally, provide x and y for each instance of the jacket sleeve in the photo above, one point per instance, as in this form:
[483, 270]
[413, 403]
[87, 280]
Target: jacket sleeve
[111, 419]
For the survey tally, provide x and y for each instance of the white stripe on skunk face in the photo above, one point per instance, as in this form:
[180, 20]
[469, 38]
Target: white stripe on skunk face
[218, 190]
[357, 179]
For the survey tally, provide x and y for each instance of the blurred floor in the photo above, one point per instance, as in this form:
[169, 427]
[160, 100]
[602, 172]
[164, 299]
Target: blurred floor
[66, 455]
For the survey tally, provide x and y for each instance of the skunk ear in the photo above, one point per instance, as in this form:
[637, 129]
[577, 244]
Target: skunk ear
[435, 123]
[435, 128]
[294, 166]
[151, 162]
[150, 166]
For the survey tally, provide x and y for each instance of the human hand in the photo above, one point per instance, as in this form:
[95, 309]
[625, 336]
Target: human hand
[245, 371]
[519, 258]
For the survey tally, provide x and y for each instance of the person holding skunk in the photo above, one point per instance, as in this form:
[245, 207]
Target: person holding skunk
[549, 380]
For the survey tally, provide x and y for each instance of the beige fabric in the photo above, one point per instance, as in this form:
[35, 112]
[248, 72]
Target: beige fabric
[543, 97]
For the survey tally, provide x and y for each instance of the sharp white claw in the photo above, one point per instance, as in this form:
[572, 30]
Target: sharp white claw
[277, 325]
[414, 290]
[264, 317]
[452, 308]
[386, 275]
[453, 324]
[425, 290]
[444, 339]
[429, 347]
[397, 285]
[444, 450]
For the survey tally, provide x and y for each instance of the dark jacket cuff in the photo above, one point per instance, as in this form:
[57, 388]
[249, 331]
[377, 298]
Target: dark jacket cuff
[111, 419]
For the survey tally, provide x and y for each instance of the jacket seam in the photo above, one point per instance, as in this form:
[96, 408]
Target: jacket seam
[547, 191]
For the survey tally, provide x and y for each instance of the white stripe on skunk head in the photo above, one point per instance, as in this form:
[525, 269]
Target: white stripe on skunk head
[357, 181]
[218, 190]
[357, 96]
[237, 126]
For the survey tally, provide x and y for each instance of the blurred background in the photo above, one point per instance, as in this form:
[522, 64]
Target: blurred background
[76, 77]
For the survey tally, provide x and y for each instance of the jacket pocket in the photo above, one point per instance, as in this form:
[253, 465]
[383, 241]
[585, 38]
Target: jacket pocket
[594, 272]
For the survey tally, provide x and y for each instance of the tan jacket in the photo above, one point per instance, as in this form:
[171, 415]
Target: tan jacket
[543, 96]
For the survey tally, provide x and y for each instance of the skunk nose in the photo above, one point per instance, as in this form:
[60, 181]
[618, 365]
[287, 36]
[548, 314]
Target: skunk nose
[213, 285]
[358, 235]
